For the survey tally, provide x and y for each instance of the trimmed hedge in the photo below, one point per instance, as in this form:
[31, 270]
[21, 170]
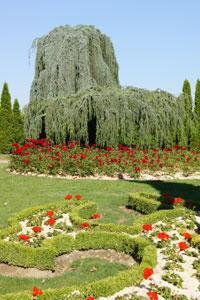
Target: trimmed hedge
[196, 241]
[103, 236]
[19, 255]
[140, 248]
[137, 225]
[146, 203]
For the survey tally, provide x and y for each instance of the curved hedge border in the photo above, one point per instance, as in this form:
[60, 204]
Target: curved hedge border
[142, 250]
[103, 236]
[41, 257]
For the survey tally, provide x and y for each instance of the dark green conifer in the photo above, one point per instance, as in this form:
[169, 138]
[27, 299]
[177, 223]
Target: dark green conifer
[6, 124]
[187, 97]
[196, 117]
[18, 123]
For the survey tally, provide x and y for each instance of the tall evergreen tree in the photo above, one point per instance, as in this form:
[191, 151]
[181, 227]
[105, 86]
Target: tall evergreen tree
[6, 124]
[196, 118]
[187, 96]
[18, 123]
[197, 100]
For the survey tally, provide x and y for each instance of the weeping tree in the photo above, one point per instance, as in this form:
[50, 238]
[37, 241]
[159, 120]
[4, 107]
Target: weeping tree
[6, 122]
[75, 94]
[18, 123]
[129, 116]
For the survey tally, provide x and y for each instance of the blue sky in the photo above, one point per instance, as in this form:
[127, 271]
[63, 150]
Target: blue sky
[157, 42]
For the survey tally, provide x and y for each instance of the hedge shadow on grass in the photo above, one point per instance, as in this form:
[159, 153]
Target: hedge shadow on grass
[189, 192]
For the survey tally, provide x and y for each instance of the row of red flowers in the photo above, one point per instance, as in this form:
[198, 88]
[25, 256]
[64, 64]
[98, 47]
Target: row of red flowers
[73, 159]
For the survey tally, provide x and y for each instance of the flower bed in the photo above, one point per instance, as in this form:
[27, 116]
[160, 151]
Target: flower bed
[39, 156]
[76, 227]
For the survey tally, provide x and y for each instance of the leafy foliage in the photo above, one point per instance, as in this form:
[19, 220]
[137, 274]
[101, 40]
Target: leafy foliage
[128, 116]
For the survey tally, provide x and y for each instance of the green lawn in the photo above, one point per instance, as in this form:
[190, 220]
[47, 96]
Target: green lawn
[19, 192]
[83, 272]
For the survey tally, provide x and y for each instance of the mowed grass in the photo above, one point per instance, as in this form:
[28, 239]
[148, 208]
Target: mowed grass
[84, 271]
[18, 192]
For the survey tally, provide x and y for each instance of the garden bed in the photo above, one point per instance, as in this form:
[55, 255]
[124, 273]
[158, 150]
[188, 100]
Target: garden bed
[176, 242]
[72, 159]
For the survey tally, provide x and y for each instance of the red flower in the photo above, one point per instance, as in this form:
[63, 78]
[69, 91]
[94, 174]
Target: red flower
[50, 213]
[166, 195]
[109, 148]
[96, 216]
[147, 227]
[78, 197]
[187, 235]
[163, 236]
[51, 221]
[137, 170]
[24, 237]
[26, 161]
[183, 246]
[36, 292]
[83, 156]
[152, 295]
[36, 228]
[85, 225]
[68, 197]
[147, 273]
[89, 298]
[177, 200]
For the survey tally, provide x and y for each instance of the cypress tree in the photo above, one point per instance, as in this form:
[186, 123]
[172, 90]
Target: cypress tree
[197, 100]
[6, 124]
[187, 96]
[18, 123]
[196, 118]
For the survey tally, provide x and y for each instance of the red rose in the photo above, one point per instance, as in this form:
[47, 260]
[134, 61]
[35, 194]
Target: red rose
[78, 197]
[68, 197]
[177, 200]
[36, 228]
[137, 170]
[152, 295]
[51, 221]
[147, 273]
[85, 225]
[89, 298]
[147, 227]
[183, 246]
[26, 161]
[96, 216]
[187, 235]
[36, 292]
[50, 213]
[163, 236]
[24, 237]
[166, 195]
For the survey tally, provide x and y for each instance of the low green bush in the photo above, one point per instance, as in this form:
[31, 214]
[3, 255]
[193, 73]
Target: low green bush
[150, 219]
[196, 241]
[146, 203]
[19, 255]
